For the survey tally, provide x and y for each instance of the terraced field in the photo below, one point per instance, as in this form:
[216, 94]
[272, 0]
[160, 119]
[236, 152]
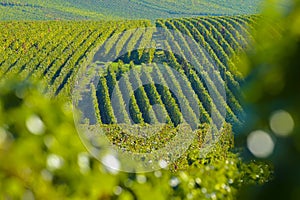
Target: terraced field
[54, 51]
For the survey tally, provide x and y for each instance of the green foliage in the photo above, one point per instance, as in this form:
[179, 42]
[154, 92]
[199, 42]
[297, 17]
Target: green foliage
[104, 101]
[41, 156]
[273, 71]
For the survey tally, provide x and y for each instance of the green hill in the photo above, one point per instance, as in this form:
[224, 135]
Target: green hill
[149, 9]
[112, 9]
[43, 10]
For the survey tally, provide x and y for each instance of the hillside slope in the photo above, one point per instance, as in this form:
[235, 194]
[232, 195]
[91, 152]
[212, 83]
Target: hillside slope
[54, 51]
[43, 10]
[150, 9]
[112, 9]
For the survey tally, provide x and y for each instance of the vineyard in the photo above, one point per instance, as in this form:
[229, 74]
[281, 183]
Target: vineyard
[149, 99]
[54, 51]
